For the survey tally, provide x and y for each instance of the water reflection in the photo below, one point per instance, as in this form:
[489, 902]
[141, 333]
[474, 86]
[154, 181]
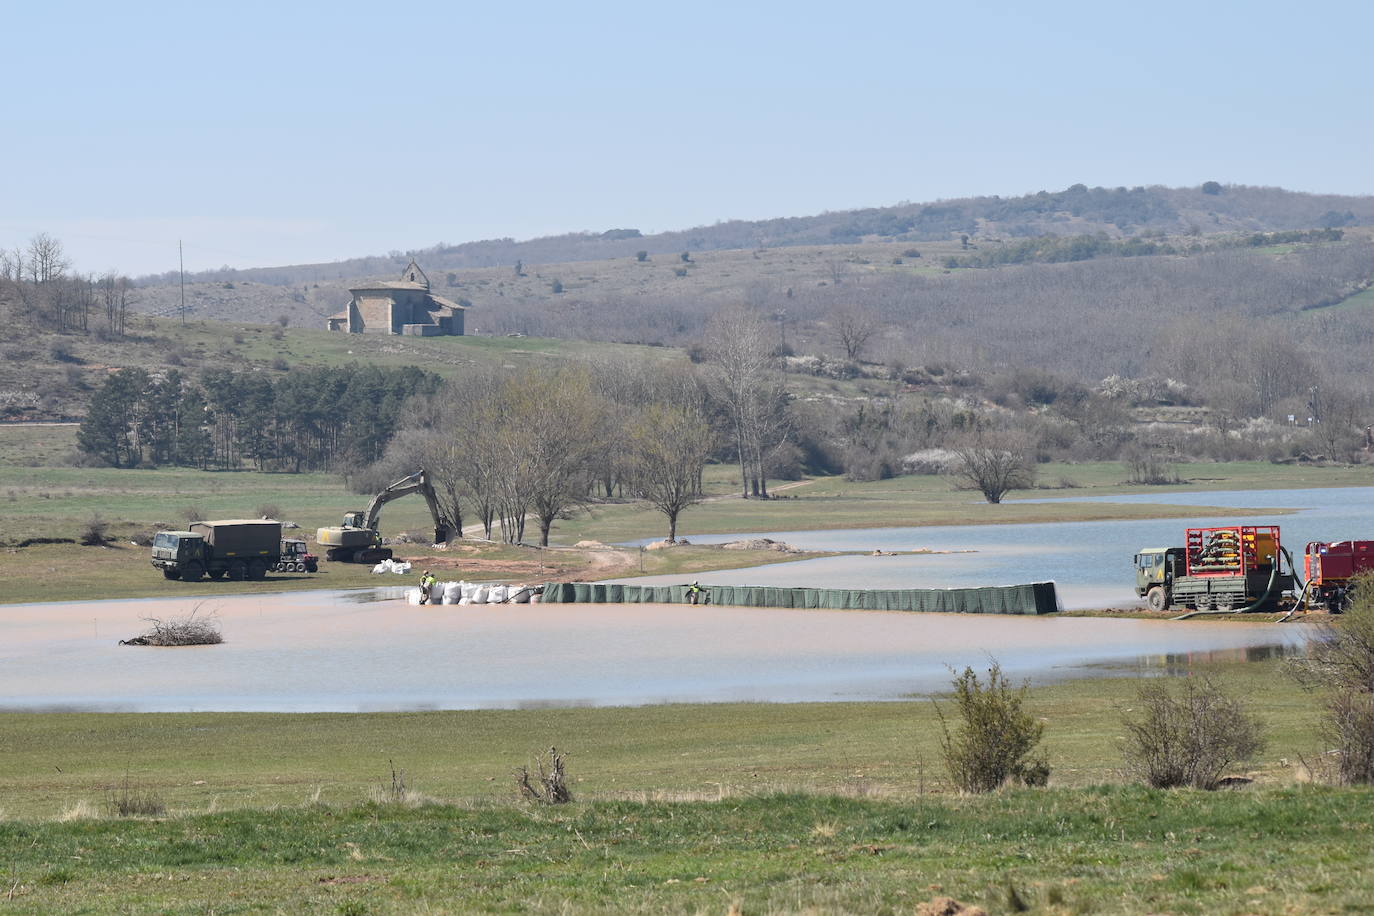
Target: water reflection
[1179, 664]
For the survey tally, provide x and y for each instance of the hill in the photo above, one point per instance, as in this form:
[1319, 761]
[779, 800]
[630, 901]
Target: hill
[1078, 210]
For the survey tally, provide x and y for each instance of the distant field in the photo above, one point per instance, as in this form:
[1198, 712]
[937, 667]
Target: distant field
[36, 444]
[833, 502]
[58, 502]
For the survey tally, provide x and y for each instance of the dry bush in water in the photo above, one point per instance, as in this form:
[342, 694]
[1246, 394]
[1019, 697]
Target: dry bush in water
[132, 800]
[1190, 736]
[551, 775]
[1341, 657]
[193, 629]
[994, 743]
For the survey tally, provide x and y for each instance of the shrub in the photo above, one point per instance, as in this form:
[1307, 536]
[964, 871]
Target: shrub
[1341, 657]
[269, 510]
[1190, 736]
[193, 514]
[556, 286]
[134, 801]
[1151, 470]
[93, 533]
[641, 256]
[552, 788]
[996, 737]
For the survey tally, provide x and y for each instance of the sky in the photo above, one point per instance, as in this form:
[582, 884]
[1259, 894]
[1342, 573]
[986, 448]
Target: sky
[260, 134]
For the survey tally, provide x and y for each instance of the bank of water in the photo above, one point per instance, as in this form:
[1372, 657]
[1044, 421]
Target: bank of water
[1090, 562]
[331, 651]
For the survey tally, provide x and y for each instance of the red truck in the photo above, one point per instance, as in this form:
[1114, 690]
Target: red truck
[1331, 567]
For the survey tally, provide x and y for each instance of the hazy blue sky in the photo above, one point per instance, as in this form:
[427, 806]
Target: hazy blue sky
[274, 133]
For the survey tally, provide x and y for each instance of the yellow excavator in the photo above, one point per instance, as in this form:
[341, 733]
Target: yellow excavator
[358, 540]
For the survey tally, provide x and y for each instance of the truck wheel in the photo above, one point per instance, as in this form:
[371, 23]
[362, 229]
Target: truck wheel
[257, 570]
[192, 572]
[170, 574]
[217, 573]
[1156, 599]
[238, 570]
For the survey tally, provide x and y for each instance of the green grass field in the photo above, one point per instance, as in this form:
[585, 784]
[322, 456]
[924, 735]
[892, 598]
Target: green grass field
[779, 808]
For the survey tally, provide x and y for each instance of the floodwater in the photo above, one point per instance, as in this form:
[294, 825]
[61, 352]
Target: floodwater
[330, 651]
[1090, 562]
[349, 651]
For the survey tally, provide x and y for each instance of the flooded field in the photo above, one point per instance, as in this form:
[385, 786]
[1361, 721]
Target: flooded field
[340, 651]
[1089, 561]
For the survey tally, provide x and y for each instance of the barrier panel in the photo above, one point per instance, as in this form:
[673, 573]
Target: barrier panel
[1033, 598]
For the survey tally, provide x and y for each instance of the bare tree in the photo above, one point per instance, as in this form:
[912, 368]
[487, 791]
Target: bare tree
[854, 325]
[996, 469]
[746, 383]
[114, 295]
[46, 260]
[668, 449]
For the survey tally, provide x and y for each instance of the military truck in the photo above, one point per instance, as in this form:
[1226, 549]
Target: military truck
[1230, 568]
[236, 548]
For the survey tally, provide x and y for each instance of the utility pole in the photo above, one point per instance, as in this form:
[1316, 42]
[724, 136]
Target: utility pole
[182, 262]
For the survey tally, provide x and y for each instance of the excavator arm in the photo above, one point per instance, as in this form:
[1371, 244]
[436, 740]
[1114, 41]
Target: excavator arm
[415, 483]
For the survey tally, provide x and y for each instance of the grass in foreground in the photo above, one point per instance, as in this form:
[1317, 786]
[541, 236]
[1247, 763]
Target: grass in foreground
[777, 807]
[1112, 850]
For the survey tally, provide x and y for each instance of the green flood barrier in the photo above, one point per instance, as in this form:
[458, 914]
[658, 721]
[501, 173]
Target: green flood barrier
[1033, 598]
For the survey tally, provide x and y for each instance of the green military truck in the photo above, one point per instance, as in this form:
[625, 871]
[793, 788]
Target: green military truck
[1229, 568]
[236, 548]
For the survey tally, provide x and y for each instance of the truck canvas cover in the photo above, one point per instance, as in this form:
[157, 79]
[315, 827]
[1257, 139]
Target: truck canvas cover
[241, 537]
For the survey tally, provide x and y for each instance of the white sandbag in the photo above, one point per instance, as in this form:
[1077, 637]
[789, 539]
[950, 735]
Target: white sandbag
[452, 592]
[384, 566]
[519, 594]
[469, 589]
[413, 596]
[480, 595]
[497, 594]
[399, 569]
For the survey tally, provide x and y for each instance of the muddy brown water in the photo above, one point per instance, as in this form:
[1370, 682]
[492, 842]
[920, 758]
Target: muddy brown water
[344, 651]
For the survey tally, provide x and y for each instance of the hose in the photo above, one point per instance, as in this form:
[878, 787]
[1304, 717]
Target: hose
[1259, 602]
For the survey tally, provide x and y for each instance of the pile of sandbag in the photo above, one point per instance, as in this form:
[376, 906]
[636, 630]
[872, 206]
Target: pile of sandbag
[399, 567]
[474, 593]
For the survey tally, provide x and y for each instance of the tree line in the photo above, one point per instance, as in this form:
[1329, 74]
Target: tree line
[40, 276]
[305, 420]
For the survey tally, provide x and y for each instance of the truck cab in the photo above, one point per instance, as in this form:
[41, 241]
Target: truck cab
[172, 550]
[1155, 569]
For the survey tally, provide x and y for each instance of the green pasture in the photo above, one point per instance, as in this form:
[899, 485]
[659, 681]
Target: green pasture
[199, 762]
[775, 808]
